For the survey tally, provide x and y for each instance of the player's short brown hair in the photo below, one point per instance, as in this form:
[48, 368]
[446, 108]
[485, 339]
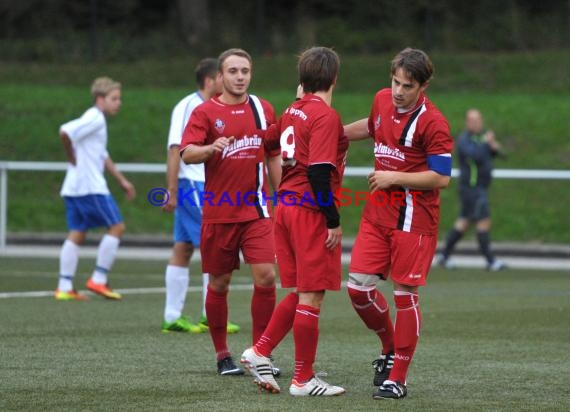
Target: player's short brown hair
[207, 67]
[102, 86]
[233, 52]
[318, 69]
[416, 63]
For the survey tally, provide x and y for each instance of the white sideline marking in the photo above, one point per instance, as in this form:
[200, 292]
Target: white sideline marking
[132, 291]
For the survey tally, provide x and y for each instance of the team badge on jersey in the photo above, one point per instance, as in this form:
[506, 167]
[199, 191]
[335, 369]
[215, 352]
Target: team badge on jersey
[219, 125]
[377, 123]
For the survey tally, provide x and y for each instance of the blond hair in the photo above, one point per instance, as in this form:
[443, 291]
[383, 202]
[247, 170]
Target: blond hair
[233, 52]
[102, 86]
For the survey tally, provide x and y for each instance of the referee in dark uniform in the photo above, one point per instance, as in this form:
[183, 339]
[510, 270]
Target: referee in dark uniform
[476, 149]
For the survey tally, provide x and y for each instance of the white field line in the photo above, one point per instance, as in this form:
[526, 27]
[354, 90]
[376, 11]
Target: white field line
[131, 291]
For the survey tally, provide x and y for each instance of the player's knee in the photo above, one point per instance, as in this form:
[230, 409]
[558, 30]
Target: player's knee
[182, 252]
[220, 283]
[461, 225]
[361, 289]
[265, 277]
[361, 299]
[117, 230]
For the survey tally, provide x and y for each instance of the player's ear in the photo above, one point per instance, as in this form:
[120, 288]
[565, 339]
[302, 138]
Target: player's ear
[424, 86]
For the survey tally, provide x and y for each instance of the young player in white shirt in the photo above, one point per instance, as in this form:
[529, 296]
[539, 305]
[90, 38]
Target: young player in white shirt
[88, 202]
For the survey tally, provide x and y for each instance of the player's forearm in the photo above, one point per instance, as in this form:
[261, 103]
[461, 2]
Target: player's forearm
[426, 180]
[194, 154]
[68, 147]
[274, 170]
[357, 130]
[112, 169]
[320, 181]
[172, 168]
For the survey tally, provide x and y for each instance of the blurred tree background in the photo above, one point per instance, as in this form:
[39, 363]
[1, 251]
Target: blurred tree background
[110, 30]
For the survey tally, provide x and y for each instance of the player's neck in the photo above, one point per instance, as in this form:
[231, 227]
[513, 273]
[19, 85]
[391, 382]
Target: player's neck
[326, 96]
[101, 109]
[229, 98]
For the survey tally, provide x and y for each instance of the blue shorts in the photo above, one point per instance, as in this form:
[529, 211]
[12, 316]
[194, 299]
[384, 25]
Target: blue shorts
[91, 211]
[187, 217]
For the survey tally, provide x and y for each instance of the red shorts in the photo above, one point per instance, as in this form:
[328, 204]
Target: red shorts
[406, 257]
[303, 259]
[220, 244]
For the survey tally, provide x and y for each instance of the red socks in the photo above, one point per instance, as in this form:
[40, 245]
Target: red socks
[217, 314]
[374, 311]
[280, 324]
[306, 335]
[408, 323]
[262, 304]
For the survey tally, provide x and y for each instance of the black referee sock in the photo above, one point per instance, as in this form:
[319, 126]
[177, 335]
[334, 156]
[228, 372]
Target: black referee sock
[485, 246]
[452, 238]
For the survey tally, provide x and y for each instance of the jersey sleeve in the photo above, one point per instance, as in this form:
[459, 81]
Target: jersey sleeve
[91, 121]
[438, 147]
[269, 112]
[196, 131]
[373, 117]
[271, 142]
[176, 126]
[324, 138]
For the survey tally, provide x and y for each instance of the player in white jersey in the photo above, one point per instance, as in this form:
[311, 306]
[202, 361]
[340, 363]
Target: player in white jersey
[88, 202]
[186, 179]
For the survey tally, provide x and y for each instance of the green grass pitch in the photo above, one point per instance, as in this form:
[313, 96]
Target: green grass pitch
[490, 341]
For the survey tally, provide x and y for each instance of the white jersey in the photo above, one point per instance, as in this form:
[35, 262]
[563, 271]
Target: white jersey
[88, 136]
[180, 115]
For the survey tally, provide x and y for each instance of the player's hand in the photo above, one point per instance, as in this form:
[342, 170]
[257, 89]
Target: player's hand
[489, 136]
[172, 201]
[380, 179]
[334, 237]
[129, 189]
[221, 143]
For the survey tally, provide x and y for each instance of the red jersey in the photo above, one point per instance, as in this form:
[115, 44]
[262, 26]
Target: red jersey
[311, 133]
[405, 142]
[236, 180]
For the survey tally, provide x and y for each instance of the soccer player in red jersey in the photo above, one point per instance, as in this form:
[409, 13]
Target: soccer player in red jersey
[236, 216]
[412, 150]
[307, 224]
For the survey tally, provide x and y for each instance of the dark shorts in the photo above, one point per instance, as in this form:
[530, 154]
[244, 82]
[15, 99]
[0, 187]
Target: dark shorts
[474, 203]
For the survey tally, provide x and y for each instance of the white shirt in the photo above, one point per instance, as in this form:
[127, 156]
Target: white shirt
[88, 136]
[180, 115]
